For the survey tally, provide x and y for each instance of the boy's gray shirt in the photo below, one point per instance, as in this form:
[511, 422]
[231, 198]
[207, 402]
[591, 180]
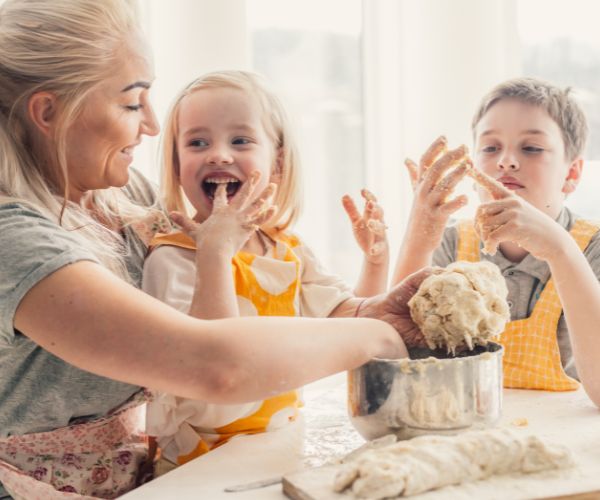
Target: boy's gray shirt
[38, 391]
[526, 279]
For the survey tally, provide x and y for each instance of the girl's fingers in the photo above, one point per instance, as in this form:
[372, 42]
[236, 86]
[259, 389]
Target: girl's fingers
[492, 186]
[264, 216]
[220, 199]
[376, 212]
[263, 200]
[377, 248]
[351, 210]
[186, 224]
[438, 147]
[240, 200]
[377, 227]
[413, 171]
[367, 195]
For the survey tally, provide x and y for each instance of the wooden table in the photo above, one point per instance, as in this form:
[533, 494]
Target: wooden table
[568, 418]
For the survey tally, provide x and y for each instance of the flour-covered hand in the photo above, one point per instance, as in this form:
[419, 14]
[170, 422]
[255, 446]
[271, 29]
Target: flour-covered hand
[369, 228]
[230, 224]
[392, 307]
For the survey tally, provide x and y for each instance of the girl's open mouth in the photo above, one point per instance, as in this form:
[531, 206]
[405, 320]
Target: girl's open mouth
[210, 184]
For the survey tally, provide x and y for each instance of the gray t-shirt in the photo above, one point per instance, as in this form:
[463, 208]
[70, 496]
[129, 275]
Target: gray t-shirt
[38, 391]
[526, 280]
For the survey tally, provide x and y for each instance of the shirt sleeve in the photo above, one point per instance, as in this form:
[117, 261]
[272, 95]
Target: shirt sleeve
[445, 253]
[31, 248]
[320, 292]
[169, 275]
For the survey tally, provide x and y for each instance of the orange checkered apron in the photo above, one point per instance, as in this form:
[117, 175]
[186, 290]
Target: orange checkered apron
[266, 304]
[531, 354]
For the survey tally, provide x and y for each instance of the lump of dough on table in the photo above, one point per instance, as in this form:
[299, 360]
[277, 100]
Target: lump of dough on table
[427, 462]
[464, 304]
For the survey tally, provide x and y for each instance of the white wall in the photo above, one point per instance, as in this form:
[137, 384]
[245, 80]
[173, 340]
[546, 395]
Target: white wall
[427, 65]
[189, 38]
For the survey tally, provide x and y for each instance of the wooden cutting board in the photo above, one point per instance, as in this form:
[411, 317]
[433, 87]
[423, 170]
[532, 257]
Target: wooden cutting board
[315, 484]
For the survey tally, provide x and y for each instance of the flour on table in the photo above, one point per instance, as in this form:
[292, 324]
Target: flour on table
[464, 304]
[428, 462]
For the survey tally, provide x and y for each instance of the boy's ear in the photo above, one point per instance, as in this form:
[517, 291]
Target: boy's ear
[573, 176]
[42, 110]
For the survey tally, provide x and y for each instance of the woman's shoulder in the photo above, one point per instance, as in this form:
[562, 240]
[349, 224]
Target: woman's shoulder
[14, 212]
[141, 190]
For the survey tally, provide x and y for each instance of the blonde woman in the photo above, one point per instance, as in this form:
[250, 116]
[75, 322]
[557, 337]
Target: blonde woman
[77, 337]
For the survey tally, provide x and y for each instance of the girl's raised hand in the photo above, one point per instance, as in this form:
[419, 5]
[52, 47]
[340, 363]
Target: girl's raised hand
[230, 224]
[369, 228]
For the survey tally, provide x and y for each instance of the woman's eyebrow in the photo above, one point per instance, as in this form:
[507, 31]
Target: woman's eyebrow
[140, 84]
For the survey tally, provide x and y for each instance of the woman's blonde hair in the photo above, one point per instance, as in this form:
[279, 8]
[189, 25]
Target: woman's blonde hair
[66, 47]
[277, 126]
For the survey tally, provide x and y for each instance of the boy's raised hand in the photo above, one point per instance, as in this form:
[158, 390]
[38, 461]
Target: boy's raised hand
[432, 187]
[511, 218]
[369, 228]
[230, 225]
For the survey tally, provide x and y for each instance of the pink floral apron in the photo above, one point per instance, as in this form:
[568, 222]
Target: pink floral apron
[101, 458]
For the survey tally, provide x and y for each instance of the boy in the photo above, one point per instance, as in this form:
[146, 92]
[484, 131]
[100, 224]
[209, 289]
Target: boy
[529, 137]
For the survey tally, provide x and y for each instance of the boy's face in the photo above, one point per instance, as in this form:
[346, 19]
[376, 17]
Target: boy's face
[521, 146]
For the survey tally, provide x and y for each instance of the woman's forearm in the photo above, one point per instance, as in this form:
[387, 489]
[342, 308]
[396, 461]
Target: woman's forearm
[88, 317]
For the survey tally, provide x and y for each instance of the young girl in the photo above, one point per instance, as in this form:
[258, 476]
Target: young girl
[229, 151]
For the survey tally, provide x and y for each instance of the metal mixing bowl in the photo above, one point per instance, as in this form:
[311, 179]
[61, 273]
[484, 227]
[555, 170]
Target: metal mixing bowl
[427, 394]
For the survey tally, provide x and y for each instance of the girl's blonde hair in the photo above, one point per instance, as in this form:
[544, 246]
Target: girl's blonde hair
[66, 47]
[277, 126]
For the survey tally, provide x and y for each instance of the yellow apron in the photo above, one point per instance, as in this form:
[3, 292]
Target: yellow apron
[531, 354]
[266, 304]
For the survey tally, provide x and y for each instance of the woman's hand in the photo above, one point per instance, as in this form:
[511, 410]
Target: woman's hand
[392, 307]
[511, 218]
[369, 228]
[432, 188]
[230, 225]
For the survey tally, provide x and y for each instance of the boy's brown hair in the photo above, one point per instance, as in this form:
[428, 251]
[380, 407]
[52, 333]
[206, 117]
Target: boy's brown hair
[558, 103]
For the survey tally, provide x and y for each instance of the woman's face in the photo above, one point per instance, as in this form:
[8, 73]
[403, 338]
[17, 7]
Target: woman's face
[115, 116]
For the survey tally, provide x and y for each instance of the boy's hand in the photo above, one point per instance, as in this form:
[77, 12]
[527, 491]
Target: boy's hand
[230, 225]
[511, 218]
[369, 229]
[432, 187]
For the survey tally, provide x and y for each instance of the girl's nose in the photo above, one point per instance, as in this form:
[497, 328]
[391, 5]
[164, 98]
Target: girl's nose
[219, 156]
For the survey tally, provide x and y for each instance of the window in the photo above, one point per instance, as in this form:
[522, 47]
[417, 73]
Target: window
[313, 61]
[564, 48]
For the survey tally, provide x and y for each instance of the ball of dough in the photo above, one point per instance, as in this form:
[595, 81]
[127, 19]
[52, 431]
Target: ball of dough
[464, 304]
